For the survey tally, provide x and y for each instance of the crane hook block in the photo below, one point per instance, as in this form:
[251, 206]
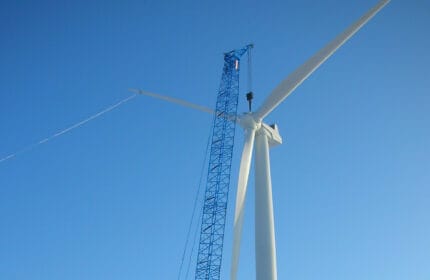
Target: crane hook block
[249, 97]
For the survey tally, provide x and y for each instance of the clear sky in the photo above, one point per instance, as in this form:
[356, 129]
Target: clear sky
[113, 199]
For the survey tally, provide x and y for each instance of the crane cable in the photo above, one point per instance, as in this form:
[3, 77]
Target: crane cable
[196, 198]
[250, 69]
[63, 131]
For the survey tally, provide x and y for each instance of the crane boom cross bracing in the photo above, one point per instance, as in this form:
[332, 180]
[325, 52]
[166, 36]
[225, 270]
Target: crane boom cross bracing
[209, 256]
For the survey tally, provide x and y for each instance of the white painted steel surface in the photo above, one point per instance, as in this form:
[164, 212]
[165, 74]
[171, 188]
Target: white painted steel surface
[265, 249]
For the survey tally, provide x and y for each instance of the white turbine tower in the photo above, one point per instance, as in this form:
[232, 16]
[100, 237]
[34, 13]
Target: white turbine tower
[259, 137]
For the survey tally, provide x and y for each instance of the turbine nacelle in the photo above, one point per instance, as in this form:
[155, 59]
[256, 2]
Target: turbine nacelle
[272, 134]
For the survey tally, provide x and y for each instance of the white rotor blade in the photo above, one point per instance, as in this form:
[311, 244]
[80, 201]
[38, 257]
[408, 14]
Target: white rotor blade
[174, 100]
[300, 74]
[183, 103]
[242, 184]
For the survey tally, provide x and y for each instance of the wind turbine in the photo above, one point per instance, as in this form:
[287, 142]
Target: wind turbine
[259, 137]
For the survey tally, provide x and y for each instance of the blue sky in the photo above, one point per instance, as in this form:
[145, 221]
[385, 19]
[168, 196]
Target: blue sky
[113, 199]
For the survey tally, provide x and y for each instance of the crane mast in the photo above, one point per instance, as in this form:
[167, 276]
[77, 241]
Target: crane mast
[209, 256]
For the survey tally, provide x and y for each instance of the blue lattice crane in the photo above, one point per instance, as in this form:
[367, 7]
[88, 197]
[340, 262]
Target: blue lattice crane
[209, 256]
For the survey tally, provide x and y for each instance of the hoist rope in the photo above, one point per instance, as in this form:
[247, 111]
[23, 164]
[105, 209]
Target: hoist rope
[249, 70]
[63, 131]
[196, 198]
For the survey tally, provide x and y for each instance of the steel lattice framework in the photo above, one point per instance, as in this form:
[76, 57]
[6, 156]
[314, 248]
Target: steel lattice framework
[209, 256]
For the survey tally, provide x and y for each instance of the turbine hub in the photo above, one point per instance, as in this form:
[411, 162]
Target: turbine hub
[247, 122]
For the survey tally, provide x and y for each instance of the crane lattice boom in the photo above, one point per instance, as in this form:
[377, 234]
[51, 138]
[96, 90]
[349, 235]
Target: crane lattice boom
[209, 256]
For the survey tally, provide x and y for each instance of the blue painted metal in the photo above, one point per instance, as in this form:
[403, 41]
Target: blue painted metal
[209, 256]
